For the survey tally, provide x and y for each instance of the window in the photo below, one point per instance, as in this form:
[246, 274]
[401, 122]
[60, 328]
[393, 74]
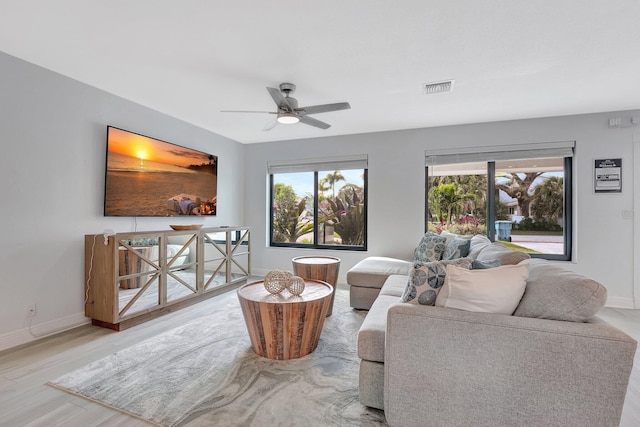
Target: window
[519, 196]
[319, 203]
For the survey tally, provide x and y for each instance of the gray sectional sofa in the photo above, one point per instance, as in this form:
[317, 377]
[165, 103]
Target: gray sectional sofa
[551, 363]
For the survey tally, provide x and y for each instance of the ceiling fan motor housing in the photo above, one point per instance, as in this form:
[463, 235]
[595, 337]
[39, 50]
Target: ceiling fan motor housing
[287, 88]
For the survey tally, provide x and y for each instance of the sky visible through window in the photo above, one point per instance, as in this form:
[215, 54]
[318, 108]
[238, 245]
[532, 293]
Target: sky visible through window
[302, 182]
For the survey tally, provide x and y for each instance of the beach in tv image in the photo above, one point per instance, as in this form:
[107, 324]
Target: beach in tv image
[149, 177]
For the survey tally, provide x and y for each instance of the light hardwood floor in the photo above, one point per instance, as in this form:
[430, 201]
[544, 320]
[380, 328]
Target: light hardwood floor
[629, 322]
[26, 400]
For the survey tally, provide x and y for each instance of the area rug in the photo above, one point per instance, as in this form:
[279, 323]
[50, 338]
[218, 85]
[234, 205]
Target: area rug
[206, 374]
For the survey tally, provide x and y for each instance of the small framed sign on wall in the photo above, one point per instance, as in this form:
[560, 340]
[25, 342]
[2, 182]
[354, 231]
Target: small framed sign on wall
[608, 176]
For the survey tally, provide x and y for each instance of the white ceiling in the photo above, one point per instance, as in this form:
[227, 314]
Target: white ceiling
[192, 58]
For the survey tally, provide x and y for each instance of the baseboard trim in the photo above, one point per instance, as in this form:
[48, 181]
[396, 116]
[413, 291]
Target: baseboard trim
[619, 302]
[37, 331]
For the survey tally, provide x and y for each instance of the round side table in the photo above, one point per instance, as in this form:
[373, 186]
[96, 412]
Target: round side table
[324, 268]
[284, 326]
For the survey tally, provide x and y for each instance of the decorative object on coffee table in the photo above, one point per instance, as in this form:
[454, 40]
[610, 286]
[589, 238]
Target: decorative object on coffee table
[276, 281]
[285, 326]
[324, 268]
[296, 285]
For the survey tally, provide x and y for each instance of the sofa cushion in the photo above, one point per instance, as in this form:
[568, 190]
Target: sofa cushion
[373, 271]
[495, 290]
[555, 293]
[513, 258]
[372, 331]
[483, 265]
[431, 248]
[492, 251]
[456, 248]
[426, 280]
[395, 285]
[501, 252]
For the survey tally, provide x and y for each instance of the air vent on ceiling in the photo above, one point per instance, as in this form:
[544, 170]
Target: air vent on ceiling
[438, 87]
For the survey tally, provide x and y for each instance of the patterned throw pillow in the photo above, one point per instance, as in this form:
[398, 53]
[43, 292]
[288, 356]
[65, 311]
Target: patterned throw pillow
[426, 280]
[457, 248]
[430, 248]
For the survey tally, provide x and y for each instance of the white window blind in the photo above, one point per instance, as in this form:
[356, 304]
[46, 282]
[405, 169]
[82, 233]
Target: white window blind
[324, 164]
[498, 153]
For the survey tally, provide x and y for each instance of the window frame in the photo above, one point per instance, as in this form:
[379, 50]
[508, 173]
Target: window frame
[491, 201]
[316, 245]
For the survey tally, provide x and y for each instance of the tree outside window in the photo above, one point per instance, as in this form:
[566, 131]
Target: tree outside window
[329, 213]
[529, 199]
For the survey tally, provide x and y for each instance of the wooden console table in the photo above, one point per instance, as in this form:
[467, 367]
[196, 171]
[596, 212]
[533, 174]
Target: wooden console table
[131, 263]
[285, 326]
[126, 284]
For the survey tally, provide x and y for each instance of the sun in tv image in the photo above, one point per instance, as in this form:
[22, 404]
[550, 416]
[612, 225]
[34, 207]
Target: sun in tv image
[149, 177]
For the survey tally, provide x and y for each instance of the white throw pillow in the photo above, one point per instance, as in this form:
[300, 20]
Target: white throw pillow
[495, 290]
[478, 242]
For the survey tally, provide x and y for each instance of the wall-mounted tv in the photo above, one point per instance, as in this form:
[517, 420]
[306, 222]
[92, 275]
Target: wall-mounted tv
[149, 177]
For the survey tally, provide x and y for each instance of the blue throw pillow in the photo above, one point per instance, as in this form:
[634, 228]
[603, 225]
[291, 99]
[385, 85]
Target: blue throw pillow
[426, 280]
[483, 265]
[431, 248]
[457, 248]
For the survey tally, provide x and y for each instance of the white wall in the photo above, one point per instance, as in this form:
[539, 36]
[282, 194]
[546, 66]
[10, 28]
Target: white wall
[53, 135]
[603, 238]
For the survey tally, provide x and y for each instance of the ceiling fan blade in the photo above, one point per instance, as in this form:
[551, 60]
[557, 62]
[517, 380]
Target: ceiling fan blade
[324, 108]
[245, 111]
[313, 122]
[280, 100]
[270, 125]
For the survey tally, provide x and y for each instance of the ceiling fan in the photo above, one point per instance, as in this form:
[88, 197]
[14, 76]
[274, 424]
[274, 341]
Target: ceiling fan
[289, 112]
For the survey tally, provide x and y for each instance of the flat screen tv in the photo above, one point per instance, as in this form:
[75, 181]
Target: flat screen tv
[149, 177]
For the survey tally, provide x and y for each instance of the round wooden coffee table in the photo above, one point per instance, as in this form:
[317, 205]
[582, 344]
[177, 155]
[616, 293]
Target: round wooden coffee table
[324, 268]
[285, 326]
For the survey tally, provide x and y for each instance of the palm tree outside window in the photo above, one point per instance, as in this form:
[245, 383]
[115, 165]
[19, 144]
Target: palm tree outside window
[522, 197]
[319, 209]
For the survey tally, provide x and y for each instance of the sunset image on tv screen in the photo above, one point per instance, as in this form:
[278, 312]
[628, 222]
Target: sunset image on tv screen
[149, 177]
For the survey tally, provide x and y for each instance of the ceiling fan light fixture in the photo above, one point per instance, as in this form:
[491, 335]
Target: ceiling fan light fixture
[288, 118]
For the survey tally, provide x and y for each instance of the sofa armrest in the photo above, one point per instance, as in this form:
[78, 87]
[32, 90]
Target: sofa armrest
[452, 367]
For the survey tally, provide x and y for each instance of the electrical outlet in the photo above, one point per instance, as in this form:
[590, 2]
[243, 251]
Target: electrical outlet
[31, 310]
